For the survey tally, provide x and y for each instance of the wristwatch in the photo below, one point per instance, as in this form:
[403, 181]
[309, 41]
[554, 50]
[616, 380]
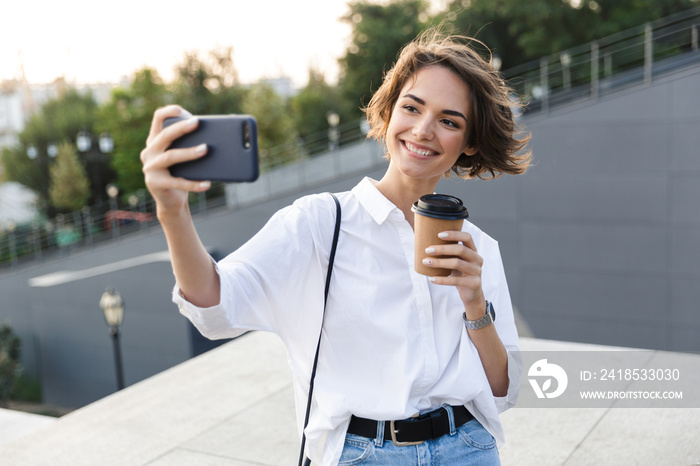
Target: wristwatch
[488, 319]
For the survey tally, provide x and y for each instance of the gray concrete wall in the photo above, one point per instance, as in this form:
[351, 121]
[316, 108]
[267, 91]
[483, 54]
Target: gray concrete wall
[66, 343]
[601, 237]
[599, 240]
[610, 230]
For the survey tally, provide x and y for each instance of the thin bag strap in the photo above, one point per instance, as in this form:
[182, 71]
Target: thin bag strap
[303, 460]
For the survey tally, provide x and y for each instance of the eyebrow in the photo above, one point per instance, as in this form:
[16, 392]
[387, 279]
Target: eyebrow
[446, 111]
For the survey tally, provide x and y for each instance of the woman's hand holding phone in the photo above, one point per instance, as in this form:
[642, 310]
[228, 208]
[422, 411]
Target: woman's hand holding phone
[191, 263]
[170, 193]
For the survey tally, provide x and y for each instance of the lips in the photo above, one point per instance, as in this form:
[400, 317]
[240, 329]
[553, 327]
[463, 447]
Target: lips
[422, 151]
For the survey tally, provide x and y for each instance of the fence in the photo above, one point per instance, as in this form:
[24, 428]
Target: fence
[591, 70]
[122, 216]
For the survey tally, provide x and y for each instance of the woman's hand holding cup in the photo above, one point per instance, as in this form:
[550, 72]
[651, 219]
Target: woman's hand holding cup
[462, 259]
[443, 251]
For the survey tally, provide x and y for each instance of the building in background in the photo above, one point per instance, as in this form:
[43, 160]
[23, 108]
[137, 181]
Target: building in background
[12, 112]
[283, 86]
[19, 99]
[17, 205]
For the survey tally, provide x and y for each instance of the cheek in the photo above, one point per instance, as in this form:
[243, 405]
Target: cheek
[395, 122]
[395, 128]
[456, 143]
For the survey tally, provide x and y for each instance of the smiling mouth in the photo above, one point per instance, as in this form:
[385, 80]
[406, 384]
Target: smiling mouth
[416, 150]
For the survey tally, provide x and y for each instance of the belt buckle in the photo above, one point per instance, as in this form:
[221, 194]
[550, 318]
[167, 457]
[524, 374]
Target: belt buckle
[402, 444]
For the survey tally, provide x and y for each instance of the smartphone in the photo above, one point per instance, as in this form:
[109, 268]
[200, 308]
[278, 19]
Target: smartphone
[232, 149]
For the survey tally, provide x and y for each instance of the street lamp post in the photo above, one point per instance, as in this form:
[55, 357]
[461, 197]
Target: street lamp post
[333, 120]
[34, 153]
[496, 62]
[565, 60]
[52, 150]
[112, 306]
[106, 143]
[13, 246]
[95, 160]
[113, 192]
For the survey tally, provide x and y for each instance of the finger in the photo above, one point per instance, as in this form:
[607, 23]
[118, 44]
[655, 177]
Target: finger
[160, 115]
[163, 140]
[192, 186]
[470, 282]
[461, 236]
[160, 183]
[463, 267]
[173, 156]
[455, 250]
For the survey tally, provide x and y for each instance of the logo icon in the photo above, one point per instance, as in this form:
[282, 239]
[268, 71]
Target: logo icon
[547, 371]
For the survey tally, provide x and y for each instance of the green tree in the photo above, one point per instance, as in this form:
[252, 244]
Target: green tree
[20, 168]
[379, 31]
[10, 367]
[58, 120]
[208, 84]
[70, 188]
[488, 22]
[523, 31]
[276, 134]
[127, 118]
[311, 105]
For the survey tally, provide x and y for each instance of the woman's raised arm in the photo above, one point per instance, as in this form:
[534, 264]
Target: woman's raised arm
[192, 265]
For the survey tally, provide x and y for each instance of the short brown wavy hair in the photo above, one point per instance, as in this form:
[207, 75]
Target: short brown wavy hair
[492, 128]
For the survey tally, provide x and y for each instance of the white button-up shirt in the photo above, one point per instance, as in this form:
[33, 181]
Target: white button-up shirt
[393, 344]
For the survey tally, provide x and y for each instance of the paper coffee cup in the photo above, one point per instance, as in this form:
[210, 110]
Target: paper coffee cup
[435, 213]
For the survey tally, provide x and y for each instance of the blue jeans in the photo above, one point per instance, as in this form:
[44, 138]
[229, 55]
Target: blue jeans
[470, 444]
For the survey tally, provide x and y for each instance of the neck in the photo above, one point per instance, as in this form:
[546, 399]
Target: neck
[403, 192]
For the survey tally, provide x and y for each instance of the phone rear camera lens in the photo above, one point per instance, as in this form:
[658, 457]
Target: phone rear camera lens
[246, 135]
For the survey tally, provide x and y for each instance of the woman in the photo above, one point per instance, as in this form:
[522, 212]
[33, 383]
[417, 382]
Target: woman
[395, 343]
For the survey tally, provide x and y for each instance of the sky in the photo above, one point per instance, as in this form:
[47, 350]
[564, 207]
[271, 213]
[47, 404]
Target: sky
[90, 41]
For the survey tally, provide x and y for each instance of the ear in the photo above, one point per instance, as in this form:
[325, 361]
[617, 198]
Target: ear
[470, 150]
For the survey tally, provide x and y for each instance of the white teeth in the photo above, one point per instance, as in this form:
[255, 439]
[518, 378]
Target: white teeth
[413, 148]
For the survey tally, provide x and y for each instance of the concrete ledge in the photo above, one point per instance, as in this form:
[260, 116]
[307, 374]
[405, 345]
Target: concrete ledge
[214, 410]
[183, 413]
[16, 424]
[599, 436]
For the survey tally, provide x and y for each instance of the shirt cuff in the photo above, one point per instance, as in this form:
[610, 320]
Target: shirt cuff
[212, 322]
[515, 366]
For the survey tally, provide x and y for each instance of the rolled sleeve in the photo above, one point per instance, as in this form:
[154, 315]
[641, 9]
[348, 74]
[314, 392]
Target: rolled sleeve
[515, 366]
[507, 330]
[212, 322]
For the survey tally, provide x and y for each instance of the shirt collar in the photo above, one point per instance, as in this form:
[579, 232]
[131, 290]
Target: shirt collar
[374, 202]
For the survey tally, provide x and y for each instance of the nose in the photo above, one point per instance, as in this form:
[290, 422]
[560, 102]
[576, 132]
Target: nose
[423, 129]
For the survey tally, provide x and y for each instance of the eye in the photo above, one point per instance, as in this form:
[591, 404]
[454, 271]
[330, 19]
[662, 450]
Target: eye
[449, 123]
[410, 108]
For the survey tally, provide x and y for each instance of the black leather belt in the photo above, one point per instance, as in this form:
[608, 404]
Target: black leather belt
[414, 430]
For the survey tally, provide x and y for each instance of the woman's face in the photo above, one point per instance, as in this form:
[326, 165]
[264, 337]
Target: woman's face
[428, 128]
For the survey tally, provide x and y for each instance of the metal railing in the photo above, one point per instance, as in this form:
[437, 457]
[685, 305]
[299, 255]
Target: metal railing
[314, 144]
[579, 73]
[117, 218]
[636, 55]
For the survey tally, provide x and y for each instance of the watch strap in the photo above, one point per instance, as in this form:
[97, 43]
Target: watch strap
[488, 319]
